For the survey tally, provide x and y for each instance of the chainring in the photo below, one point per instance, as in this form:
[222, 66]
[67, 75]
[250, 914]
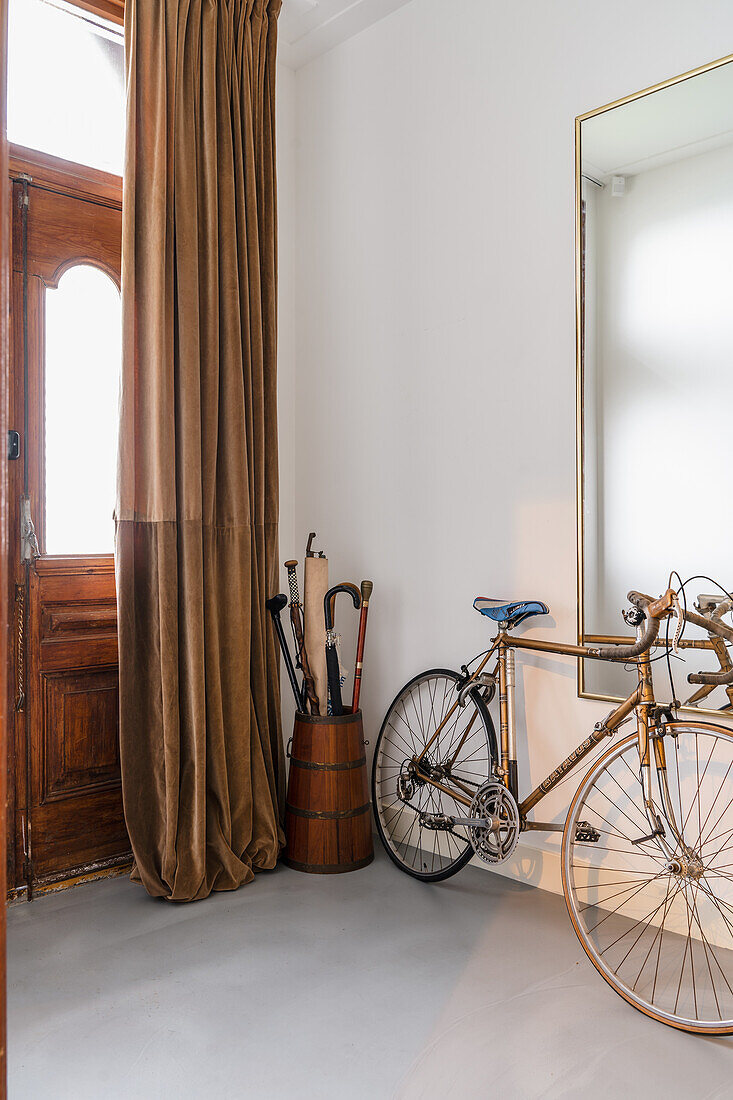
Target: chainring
[496, 804]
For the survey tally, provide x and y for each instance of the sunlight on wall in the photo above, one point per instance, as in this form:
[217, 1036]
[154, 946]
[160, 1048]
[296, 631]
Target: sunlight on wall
[83, 356]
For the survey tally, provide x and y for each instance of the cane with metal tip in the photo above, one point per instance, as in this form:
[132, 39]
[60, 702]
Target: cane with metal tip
[275, 605]
[366, 591]
[332, 661]
[296, 618]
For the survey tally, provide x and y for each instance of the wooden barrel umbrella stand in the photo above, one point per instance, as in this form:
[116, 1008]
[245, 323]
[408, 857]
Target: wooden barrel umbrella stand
[328, 819]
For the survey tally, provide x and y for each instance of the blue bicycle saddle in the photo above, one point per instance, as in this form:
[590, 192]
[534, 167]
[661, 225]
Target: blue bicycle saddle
[511, 613]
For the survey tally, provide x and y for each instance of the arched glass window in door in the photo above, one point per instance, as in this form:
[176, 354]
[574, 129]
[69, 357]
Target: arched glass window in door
[82, 376]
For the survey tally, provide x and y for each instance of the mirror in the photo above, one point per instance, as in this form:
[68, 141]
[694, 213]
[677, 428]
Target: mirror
[654, 207]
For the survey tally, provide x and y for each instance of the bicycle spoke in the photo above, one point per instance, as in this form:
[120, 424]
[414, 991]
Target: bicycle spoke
[692, 967]
[599, 904]
[663, 936]
[409, 732]
[621, 836]
[614, 911]
[700, 840]
[610, 800]
[641, 920]
[668, 902]
[709, 951]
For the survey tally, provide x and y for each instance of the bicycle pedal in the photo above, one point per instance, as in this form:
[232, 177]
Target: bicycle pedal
[436, 821]
[584, 831]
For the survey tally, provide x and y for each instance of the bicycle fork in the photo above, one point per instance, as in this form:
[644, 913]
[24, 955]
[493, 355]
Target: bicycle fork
[651, 744]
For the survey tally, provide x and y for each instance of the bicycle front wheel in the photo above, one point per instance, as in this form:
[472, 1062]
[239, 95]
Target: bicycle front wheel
[659, 930]
[458, 758]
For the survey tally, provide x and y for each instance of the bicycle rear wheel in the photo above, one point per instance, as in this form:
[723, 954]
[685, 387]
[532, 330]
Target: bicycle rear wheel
[659, 931]
[460, 759]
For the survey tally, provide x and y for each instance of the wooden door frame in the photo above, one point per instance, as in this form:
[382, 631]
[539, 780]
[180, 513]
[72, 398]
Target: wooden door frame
[114, 10]
[4, 548]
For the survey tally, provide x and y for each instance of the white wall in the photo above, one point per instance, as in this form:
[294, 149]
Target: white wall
[434, 439]
[286, 389]
[285, 138]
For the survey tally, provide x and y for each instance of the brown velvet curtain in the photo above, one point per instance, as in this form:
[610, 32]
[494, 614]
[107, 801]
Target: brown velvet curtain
[197, 508]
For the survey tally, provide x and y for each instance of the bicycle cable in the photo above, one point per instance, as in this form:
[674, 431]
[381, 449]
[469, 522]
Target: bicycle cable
[675, 703]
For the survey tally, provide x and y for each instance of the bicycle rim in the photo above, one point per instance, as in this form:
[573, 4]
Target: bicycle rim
[661, 937]
[413, 717]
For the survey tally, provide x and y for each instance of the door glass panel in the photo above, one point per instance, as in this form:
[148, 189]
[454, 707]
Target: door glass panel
[82, 378]
[66, 83]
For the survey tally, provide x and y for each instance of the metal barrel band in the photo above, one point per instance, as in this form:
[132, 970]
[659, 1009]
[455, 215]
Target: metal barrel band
[328, 815]
[345, 766]
[328, 868]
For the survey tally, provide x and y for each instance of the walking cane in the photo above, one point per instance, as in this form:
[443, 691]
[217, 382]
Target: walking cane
[275, 605]
[366, 591]
[296, 618]
[332, 660]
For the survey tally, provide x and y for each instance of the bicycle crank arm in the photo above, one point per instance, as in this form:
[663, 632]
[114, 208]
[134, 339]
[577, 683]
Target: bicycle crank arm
[449, 821]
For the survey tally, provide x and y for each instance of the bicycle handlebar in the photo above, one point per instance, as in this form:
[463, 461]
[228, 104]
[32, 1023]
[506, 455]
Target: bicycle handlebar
[656, 610]
[643, 643]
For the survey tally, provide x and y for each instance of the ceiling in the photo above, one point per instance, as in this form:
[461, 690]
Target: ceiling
[308, 28]
[680, 121]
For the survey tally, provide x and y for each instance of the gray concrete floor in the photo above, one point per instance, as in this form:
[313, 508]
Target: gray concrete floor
[361, 985]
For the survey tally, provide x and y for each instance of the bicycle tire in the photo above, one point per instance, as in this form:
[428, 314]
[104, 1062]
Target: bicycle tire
[384, 780]
[647, 949]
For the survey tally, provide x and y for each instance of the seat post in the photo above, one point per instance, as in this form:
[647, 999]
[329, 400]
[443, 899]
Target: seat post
[506, 711]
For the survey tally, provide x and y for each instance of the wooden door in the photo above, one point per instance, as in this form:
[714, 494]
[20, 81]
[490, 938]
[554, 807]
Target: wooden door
[65, 765]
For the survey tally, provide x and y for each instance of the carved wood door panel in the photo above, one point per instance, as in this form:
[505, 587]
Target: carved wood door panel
[66, 748]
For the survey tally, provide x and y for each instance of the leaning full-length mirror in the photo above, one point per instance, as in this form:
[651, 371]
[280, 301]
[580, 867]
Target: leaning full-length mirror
[655, 350]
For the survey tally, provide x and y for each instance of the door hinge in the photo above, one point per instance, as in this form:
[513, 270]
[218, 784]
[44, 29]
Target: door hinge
[29, 550]
[26, 180]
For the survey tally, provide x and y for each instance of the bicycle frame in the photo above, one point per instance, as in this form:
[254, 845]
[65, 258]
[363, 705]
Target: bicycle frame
[446, 788]
[651, 720]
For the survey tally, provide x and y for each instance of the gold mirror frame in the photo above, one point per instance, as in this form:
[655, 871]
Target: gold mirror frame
[583, 638]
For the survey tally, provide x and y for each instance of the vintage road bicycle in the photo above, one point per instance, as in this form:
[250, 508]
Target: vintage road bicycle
[647, 845]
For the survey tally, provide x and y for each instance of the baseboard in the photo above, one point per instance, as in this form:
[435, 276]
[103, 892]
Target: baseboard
[75, 876]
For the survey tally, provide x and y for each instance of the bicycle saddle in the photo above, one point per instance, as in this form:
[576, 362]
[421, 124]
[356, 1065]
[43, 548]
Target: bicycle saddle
[510, 613]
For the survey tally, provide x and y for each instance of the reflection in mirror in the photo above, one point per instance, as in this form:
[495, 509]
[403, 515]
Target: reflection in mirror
[656, 351]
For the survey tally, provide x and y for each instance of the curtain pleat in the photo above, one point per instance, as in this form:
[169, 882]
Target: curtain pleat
[197, 508]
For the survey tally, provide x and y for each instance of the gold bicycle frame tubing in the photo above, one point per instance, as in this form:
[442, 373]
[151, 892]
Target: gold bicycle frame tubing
[505, 644]
[640, 700]
[603, 729]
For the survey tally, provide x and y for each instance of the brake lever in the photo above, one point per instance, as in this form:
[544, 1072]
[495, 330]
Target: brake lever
[680, 615]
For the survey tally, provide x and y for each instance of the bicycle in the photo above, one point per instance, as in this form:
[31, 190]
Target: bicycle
[646, 872]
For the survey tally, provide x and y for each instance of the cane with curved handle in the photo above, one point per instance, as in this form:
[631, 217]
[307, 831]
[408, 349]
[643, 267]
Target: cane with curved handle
[332, 661]
[366, 592]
